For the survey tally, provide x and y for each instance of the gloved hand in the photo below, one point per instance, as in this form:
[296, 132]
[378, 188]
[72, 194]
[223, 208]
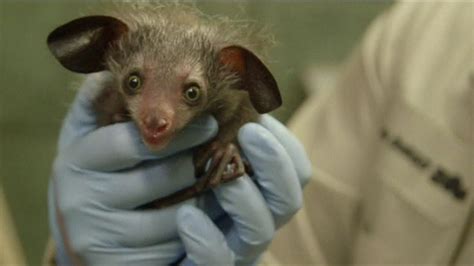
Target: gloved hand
[256, 207]
[100, 175]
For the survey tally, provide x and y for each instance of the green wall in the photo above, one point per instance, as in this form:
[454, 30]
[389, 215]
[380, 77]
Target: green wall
[35, 91]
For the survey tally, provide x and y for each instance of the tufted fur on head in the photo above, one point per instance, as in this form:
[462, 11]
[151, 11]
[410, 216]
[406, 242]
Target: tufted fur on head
[167, 34]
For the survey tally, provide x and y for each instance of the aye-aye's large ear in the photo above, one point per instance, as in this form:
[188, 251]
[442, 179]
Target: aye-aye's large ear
[255, 77]
[81, 44]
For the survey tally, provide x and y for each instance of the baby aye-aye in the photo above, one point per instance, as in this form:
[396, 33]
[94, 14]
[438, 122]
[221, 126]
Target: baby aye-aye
[170, 64]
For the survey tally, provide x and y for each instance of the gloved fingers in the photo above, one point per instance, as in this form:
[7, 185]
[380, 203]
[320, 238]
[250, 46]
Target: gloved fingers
[130, 229]
[292, 145]
[61, 255]
[141, 228]
[81, 118]
[253, 225]
[274, 171]
[131, 188]
[160, 254]
[203, 241]
[119, 146]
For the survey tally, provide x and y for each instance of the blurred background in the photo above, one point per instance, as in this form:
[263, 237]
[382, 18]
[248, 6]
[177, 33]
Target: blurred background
[35, 90]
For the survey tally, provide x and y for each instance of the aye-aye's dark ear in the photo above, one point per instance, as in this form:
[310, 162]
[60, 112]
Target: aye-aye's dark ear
[81, 44]
[255, 77]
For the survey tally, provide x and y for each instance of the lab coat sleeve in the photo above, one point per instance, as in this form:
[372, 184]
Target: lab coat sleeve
[338, 131]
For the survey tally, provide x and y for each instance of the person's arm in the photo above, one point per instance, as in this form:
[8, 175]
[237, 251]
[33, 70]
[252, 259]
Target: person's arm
[378, 141]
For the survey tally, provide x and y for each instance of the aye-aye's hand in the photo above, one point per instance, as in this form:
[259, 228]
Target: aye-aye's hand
[101, 175]
[255, 207]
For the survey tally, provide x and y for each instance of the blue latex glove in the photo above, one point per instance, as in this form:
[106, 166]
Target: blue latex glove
[101, 174]
[256, 207]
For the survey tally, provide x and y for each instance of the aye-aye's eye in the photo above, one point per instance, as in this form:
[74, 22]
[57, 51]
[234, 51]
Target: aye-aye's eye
[192, 93]
[133, 83]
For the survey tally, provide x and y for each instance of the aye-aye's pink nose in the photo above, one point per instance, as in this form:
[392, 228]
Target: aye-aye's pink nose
[157, 125]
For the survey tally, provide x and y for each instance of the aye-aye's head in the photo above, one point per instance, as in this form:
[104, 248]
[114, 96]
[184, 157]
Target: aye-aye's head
[169, 63]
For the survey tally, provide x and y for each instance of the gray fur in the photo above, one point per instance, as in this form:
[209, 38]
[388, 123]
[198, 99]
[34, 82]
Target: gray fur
[171, 34]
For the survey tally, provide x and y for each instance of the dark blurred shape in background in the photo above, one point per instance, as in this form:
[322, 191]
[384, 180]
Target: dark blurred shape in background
[35, 90]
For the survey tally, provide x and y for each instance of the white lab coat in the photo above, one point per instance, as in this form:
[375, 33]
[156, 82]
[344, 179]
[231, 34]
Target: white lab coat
[392, 148]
